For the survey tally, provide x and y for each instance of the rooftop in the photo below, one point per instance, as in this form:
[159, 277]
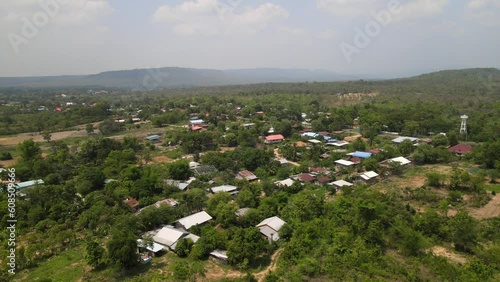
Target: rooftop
[194, 219]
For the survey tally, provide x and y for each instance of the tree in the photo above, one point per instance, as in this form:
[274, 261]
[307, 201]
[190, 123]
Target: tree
[464, 231]
[122, 248]
[29, 150]
[440, 140]
[183, 247]
[46, 136]
[245, 246]
[89, 128]
[406, 147]
[216, 199]
[179, 170]
[95, 254]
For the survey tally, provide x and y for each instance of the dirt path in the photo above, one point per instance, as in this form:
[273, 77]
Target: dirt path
[491, 209]
[260, 276]
[451, 256]
[278, 157]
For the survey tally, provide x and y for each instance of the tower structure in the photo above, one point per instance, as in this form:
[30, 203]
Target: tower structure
[463, 126]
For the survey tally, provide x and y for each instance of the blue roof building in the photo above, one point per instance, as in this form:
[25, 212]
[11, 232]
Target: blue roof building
[362, 155]
[153, 137]
[310, 134]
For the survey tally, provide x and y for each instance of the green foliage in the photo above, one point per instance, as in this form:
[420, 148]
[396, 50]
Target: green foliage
[244, 246]
[95, 254]
[463, 231]
[122, 248]
[179, 170]
[183, 247]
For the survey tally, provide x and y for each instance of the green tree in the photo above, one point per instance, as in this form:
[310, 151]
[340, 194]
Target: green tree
[464, 230]
[245, 246]
[122, 248]
[183, 247]
[179, 170]
[95, 254]
[29, 150]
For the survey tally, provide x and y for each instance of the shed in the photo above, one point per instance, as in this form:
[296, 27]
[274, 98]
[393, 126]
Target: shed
[270, 227]
[233, 190]
[368, 176]
[401, 160]
[192, 220]
[287, 182]
[219, 256]
[361, 155]
[341, 183]
[344, 163]
[153, 138]
[400, 139]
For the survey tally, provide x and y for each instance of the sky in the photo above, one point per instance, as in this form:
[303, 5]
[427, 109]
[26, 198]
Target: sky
[376, 37]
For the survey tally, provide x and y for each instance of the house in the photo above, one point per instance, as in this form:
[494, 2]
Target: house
[233, 190]
[219, 256]
[169, 236]
[338, 143]
[401, 160]
[28, 184]
[153, 138]
[204, 170]
[310, 135]
[368, 176]
[272, 139]
[361, 155]
[306, 177]
[166, 202]
[198, 218]
[287, 182]
[270, 227]
[176, 183]
[241, 212]
[344, 163]
[152, 249]
[461, 149]
[131, 202]
[324, 179]
[247, 175]
[400, 139]
[341, 183]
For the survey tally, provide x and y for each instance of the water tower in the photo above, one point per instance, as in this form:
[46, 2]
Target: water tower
[463, 126]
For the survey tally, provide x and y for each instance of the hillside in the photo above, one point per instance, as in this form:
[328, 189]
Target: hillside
[169, 77]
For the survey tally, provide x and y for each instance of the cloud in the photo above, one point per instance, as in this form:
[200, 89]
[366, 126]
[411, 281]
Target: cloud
[477, 4]
[484, 12]
[60, 12]
[421, 8]
[346, 7]
[209, 17]
[327, 34]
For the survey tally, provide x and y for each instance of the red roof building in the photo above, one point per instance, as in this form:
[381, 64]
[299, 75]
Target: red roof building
[306, 177]
[274, 139]
[461, 149]
[133, 203]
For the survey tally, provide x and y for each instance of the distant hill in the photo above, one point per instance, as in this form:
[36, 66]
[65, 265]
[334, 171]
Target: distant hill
[171, 77]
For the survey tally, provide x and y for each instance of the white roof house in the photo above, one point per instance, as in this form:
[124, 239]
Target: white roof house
[369, 175]
[287, 182]
[341, 183]
[168, 236]
[403, 138]
[192, 220]
[155, 247]
[269, 227]
[338, 143]
[225, 188]
[400, 160]
[344, 163]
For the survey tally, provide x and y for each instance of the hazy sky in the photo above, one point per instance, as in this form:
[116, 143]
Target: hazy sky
[57, 37]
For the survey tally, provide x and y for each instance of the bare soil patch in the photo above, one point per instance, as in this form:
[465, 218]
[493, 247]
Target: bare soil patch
[16, 139]
[491, 209]
[448, 254]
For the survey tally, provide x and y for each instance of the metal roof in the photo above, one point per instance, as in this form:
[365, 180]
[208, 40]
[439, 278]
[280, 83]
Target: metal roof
[26, 184]
[224, 188]
[403, 138]
[400, 160]
[341, 183]
[344, 162]
[363, 155]
[153, 248]
[194, 219]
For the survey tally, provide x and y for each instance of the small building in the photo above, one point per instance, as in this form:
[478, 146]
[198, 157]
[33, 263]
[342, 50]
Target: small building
[310, 135]
[169, 236]
[338, 143]
[314, 141]
[198, 218]
[153, 138]
[401, 160]
[204, 170]
[306, 177]
[344, 163]
[287, 182]
[131, 202]
[176, 183]
[241, 212]
[28, 184]
[270, 227]
[400, 139]
[461, 149]
[361, 155]
[368, 176]
[247, 175]
[219, 256]
[233, 190]
[341, 183]
[272, 139]
[153, 249]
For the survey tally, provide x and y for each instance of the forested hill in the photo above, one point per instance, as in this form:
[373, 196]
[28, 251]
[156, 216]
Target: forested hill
[170, 77]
